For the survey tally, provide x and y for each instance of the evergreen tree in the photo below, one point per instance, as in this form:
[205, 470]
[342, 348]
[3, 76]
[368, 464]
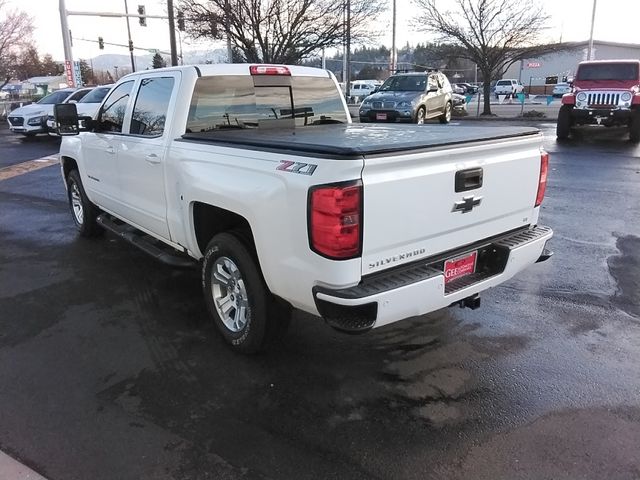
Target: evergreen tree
[158, 61]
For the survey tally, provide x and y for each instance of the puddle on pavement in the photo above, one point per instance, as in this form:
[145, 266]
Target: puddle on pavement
[625, 269]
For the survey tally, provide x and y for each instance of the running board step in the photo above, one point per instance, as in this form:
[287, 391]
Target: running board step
[148, 244]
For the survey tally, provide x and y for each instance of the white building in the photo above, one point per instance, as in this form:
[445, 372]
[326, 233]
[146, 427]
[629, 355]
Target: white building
[534, 71]
[44, 85]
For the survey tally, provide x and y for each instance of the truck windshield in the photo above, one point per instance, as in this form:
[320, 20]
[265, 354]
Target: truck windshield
[608, 71]
[232, 101]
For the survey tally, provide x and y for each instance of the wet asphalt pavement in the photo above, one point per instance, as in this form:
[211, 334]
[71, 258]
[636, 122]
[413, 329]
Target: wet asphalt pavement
[110, 370]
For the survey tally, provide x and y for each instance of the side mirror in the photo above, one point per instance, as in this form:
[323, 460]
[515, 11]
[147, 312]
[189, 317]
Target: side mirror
[375, 89]
[66, 119]
[87, 124]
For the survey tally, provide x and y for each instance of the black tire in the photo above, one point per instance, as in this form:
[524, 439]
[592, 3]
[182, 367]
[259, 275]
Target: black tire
[265, 320]
[364, 119]
[446, 116]
[634, 126]
[563, 126]
[83, 212]
[420, 115]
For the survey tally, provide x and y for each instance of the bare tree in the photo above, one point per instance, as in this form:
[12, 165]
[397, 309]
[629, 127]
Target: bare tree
[280, 31]
[15, 33]
[494, 34]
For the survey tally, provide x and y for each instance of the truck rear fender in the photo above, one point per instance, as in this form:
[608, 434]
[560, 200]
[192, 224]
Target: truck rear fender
[208, 221]
[228, 189]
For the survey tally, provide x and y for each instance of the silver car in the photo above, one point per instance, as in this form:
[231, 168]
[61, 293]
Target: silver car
[414, 97]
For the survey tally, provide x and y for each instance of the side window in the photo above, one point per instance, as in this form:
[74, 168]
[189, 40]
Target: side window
[114, 108]
[78, 95]
[152, 103]
[443, 81]
[433, 82]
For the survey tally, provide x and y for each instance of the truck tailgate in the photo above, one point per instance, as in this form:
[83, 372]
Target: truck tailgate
[412, 209]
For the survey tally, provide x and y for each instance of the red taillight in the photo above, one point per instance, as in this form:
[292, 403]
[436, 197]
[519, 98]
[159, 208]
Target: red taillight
[542, 182]
[269, 70]
[335, 224]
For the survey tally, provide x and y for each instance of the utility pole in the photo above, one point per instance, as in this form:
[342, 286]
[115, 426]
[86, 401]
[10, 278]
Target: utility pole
[593, 20]
[227, 31]
[66, 38]
[172, 34]
[344, 46]
[133, 62]
[393, 42]
[348, 79]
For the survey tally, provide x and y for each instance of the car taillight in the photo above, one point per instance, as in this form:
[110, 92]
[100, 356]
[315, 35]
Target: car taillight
[542, 182]
[269, 70]
[335, 220]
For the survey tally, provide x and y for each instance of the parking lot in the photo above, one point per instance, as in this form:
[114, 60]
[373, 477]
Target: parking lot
[110, 370]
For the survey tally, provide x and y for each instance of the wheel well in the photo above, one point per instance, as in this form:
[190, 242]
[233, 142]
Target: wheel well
[68, 164]
[209, 221]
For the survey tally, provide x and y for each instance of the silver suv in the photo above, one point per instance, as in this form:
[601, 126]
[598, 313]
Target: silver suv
[409, 96]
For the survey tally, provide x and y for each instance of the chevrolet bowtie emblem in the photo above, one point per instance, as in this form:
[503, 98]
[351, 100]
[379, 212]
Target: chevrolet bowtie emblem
[466, 204]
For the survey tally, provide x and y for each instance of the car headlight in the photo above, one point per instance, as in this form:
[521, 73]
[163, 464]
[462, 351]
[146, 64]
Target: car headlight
[404, 105]
[37, 120]
[581, 97]
[366, 104]
[625, 97]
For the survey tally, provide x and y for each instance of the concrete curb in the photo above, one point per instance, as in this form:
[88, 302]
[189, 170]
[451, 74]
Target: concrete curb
[481, 118]
[11, 469]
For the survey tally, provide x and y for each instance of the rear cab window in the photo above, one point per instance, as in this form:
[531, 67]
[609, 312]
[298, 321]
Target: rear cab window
[225, 102]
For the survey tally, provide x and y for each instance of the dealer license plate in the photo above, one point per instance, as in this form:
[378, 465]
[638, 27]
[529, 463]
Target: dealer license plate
[459, 267]
[381, 116]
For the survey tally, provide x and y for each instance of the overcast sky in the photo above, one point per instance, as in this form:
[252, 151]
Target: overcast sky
[615, 21]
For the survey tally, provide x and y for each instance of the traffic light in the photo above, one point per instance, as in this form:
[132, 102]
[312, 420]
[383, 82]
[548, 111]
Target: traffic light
[180, 21]
[100, 43]
[131, 45]
[142, 18]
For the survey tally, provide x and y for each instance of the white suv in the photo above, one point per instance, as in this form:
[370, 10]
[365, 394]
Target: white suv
[508, 86]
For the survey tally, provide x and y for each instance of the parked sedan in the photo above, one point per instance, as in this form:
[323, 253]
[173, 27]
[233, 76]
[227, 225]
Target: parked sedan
[458, 88]
[471, 89]
[459, 103]
[32, 119]
[87, 106]
[560, 89]
[414, 97]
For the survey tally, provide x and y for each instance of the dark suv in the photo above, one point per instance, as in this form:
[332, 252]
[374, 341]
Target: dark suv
[414, 97]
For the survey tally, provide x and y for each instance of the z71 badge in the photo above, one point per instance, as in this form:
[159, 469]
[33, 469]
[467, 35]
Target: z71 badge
[297, 167]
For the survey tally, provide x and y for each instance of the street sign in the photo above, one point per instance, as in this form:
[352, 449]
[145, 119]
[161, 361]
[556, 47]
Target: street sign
[69, 72]
[77, 74]
[534, 65]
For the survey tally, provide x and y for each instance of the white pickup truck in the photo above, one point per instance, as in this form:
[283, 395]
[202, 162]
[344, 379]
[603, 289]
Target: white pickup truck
[256, 174]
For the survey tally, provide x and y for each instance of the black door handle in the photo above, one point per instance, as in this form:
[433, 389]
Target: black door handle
[469, 179]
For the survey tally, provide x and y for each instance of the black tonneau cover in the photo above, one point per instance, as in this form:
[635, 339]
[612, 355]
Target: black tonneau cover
[356, 140]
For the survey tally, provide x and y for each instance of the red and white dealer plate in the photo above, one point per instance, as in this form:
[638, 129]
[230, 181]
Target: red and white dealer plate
[459, 267]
